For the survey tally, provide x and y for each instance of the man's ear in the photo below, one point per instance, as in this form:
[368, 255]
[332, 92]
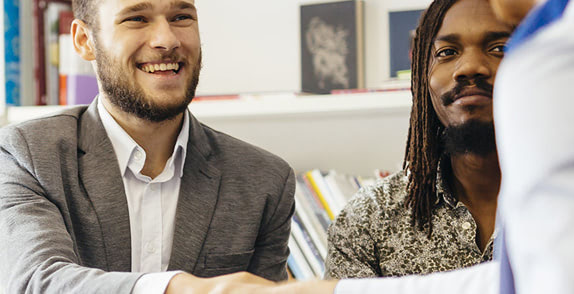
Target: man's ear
[82, 39]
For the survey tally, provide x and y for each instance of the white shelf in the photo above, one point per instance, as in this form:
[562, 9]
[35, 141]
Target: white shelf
[262, 106]
[352, 133]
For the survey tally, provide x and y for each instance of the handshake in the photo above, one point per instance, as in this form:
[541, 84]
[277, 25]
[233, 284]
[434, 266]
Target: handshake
[244, 282]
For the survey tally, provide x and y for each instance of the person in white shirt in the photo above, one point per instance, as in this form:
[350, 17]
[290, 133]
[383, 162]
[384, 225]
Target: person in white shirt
[132, 194]
[533, 118]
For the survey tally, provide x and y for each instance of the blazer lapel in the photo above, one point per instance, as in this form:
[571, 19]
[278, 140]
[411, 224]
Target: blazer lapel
[197, 201]
[102, 180]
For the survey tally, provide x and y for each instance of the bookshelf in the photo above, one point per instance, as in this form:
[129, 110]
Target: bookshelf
[2, 70]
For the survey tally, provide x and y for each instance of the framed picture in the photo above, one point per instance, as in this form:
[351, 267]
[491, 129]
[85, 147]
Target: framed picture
[402, 26]
[332, 46]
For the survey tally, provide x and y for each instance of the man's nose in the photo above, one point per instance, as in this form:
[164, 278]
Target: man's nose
[163, 37]
[471, 66]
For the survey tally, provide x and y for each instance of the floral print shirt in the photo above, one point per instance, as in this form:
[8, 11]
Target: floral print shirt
[373, 236]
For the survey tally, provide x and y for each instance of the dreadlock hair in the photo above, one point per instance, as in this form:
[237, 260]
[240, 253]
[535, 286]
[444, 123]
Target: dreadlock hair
[86, 11]
[424, 147]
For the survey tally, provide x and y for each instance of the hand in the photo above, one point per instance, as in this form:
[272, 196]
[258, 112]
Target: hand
[242, 282]
[308, 287]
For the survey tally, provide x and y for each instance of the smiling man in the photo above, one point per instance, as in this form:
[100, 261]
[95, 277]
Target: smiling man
[439, 213]
[108, 197]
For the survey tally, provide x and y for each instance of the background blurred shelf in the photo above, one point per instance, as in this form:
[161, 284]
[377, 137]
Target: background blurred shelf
[352, 133]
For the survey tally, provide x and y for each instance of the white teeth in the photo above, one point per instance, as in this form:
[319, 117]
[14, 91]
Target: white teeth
[160, 67]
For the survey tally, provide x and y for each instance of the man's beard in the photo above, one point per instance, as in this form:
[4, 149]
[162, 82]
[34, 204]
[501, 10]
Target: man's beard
[131, 99]
[475, 137]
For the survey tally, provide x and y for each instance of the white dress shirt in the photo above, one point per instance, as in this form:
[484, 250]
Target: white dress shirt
[151, 202]
[478, 279]
[534, 120]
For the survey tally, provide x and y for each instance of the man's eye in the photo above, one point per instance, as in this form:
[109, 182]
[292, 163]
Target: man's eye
[182, 17]
[135, 19]
[499, 48]
[446, 52]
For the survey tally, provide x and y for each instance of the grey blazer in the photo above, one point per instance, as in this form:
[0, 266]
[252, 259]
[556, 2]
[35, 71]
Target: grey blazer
[64, 224]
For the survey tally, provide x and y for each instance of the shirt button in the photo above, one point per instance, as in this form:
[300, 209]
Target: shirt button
[466, 225]
[150, 248]
[138, 155]
[153, 187]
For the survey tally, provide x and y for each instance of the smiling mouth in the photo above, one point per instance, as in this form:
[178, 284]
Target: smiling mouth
[158, 68]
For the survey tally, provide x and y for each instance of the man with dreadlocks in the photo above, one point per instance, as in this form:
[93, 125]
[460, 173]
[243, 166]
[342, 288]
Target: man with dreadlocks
[438, 213]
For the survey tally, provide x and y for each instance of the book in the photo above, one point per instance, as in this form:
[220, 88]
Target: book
[2, 70]
[39, 8]
[311, 223]
[297, 262]
[51, 46]
[39, 53]
[27, 45]
[307, 246]
[314, 188]
[402, 26]
[332, 54]
[11, 56]
[305, 189]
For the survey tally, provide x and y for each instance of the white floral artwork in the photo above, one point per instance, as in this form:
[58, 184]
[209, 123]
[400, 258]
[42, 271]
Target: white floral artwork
[329, 51]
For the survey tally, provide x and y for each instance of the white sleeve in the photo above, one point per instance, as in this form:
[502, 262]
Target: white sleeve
[479, 279]
[154, 283]
[534, 120]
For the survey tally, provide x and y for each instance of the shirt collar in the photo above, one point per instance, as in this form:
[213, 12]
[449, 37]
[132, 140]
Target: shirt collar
[442, 189]
[124, 146]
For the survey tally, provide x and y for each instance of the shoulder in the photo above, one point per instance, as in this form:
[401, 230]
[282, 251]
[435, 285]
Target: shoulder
[51, 128]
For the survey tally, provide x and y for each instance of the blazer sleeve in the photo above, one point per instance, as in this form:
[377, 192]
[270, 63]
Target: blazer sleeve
[37, 252]
[271, 250]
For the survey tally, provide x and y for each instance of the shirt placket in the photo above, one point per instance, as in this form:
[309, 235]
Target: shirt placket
[152, 234]
[468, 229]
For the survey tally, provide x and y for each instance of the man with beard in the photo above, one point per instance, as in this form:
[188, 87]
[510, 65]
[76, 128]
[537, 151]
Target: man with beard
[105, 197]
[437, 214]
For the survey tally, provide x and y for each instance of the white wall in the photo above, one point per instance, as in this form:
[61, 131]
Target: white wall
[253, 45]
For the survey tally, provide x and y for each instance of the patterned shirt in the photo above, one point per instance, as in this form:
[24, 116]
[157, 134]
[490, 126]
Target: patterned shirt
[374, 237]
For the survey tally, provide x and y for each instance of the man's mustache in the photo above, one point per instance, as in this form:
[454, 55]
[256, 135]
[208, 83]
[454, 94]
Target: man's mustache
[451, 96]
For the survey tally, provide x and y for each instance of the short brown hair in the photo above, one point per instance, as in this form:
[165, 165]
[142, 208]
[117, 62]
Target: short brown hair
[86, 11]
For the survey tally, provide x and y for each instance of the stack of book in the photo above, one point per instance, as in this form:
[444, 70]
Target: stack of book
[42, 67]
[319, 197]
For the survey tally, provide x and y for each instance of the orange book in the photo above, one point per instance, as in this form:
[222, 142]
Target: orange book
[63, 100]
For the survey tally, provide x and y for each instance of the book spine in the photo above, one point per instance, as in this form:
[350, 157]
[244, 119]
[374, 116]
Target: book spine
[311, 222]
[304, 186]
[27, 47]
[299, 265]
[52, 19]
[39, 55]
[321, 197]
[12, 51]
[307, 247]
